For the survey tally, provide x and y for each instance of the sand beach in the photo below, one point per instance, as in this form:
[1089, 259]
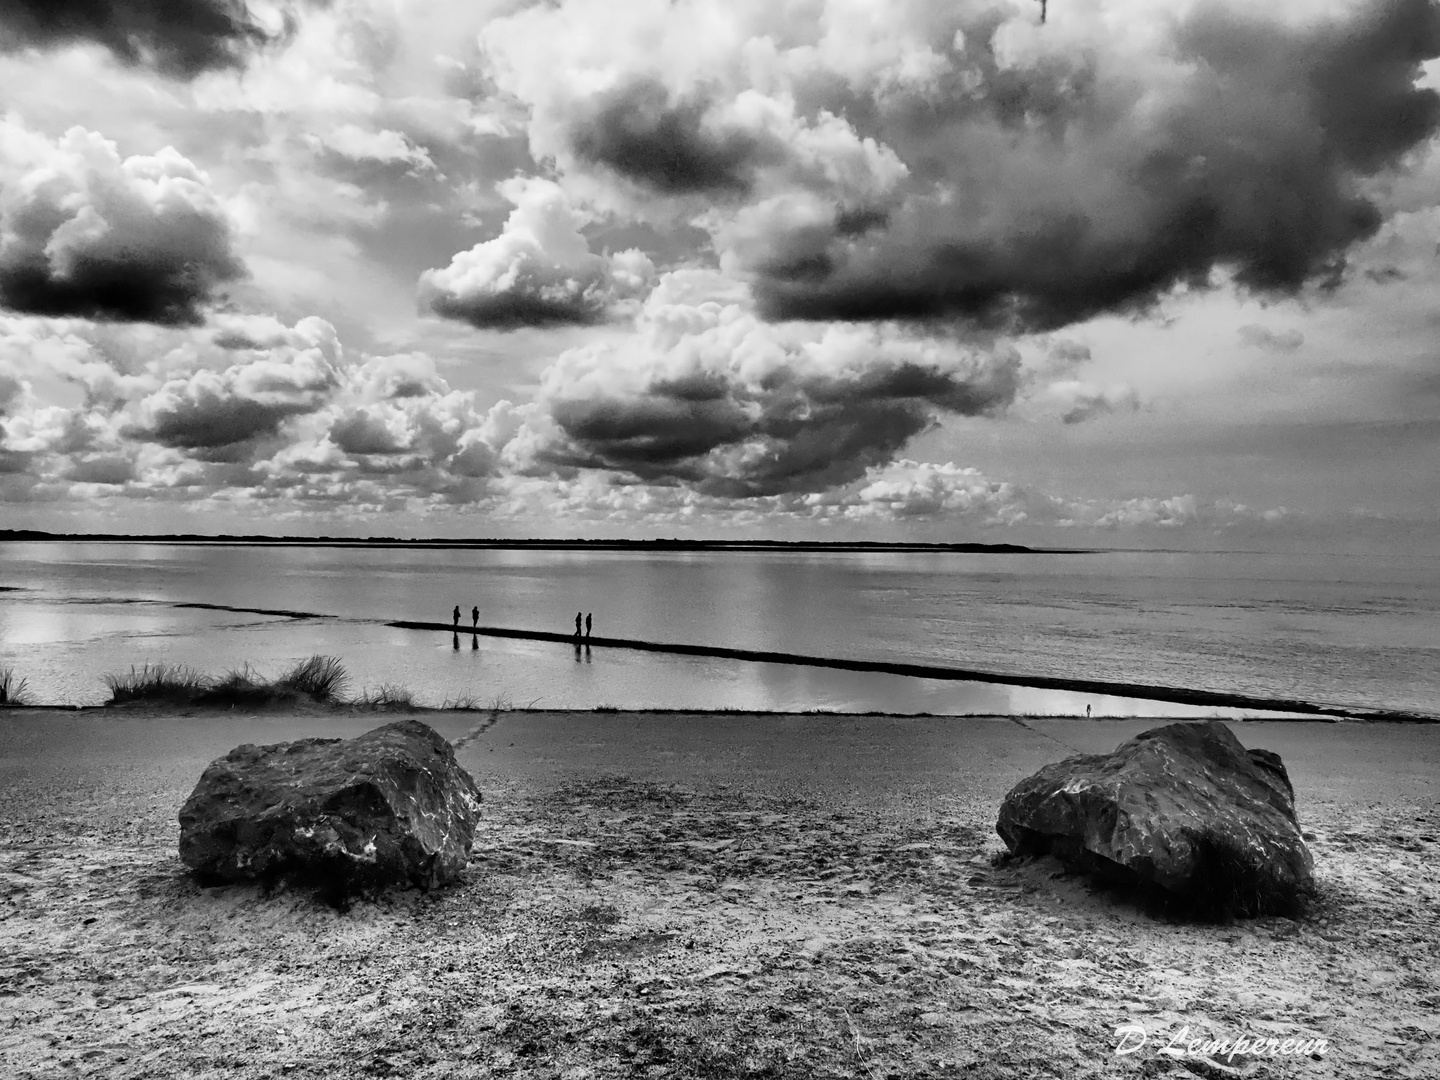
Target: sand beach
[699, 895]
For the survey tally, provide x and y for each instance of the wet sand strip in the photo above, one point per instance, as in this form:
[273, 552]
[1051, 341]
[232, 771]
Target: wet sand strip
[1177, 694]
[258, 611]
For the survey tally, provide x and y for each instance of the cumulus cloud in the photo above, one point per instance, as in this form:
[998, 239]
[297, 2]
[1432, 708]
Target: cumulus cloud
[539, 272]
[976, 164]
[670, 146]
[213, 411]
[181, 38]
[1079, 401]
[251, 409]
[907, 489]
[1262, 337]
[102, 469]
[360, 144]
[1171, 513]
[86, 233]
[709, 394]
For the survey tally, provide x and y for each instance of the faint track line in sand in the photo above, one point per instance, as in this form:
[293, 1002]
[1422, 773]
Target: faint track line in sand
[1044, 734]
[478, 730]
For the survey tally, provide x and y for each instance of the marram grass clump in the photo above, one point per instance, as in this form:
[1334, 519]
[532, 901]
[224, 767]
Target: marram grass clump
[13, 690]
[168, 683]
[386, 696]
[318, 679]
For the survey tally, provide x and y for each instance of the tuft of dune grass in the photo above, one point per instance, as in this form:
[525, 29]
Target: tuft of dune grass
[170, 683]
[386, 696]
[320, 678]
[13, 691]
[463, 703]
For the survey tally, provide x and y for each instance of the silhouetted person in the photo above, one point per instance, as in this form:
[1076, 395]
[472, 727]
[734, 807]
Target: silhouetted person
[475, 616]
[1087, 712]
[587, 624]
[456, 616]
[577, 624]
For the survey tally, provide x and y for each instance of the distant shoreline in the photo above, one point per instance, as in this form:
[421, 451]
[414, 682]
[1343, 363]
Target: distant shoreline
[659, 544]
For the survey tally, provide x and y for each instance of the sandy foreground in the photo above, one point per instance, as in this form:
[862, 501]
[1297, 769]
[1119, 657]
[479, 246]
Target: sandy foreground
[700, 895]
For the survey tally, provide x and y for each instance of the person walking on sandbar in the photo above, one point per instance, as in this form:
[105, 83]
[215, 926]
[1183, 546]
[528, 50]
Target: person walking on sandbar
[456, 616]
[475, 617]
[577, 624]
[587, 624]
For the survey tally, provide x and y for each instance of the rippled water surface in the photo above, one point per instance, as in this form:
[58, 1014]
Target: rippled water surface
[1347, 631]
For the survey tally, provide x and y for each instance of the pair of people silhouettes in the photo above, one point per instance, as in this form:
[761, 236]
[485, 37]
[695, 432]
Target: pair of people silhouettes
[577, 624]
[474, 617]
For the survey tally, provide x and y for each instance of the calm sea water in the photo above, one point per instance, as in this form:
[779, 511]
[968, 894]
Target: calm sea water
[1346, 631]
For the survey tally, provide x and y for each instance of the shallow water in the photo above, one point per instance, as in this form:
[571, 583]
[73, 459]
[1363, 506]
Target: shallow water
[1355, 633]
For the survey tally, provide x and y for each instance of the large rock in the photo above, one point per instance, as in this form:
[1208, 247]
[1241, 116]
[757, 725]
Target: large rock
[1185, 808]
[347, 815]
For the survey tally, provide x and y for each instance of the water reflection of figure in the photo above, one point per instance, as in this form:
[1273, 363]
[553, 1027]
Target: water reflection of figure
[587, 624]
[456, 643]
[587, 652]
[577, 650]
[474, 642]
[577, 624]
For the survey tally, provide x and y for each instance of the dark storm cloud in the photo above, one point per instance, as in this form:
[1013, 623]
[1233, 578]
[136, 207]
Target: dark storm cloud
[136, 286]
[102, 470]
[361, 433]
[209, 421]
[181, 38]
[641, 132]
[539, 309]
[143, 239]
[1067, 205]
[796, 432]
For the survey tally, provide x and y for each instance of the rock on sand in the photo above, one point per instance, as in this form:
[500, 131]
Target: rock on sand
[390, 806]
[1184, 807]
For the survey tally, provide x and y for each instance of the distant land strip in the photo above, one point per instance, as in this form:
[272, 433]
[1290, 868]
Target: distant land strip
[1176, 694]
[657, 544]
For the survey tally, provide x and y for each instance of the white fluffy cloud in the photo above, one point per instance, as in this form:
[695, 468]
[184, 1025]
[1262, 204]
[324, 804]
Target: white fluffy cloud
[538, 272]
[386, 146]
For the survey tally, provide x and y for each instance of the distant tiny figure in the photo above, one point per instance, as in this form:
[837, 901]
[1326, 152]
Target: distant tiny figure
[1087, 712]
[475, 616]
[456, 615]
[587, 624]
[577, 624]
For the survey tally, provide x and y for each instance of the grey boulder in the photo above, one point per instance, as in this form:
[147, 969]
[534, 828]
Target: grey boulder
[390, 806]
[1184, 809]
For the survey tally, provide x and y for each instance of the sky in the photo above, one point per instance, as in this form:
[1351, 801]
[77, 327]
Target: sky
[1141, 275]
